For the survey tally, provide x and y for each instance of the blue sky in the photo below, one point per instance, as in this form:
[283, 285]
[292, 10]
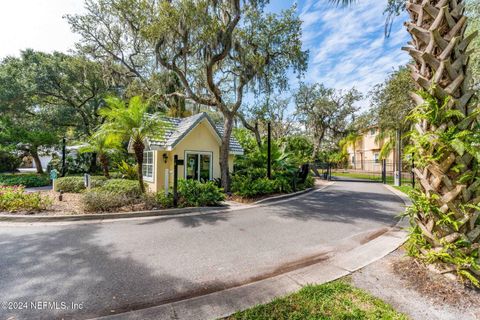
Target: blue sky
[347, 46]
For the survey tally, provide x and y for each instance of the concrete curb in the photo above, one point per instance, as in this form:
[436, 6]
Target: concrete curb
[226, 302]
[400, 194]
[145, 214]
[106, 216]
[403, 223]
[223, 303]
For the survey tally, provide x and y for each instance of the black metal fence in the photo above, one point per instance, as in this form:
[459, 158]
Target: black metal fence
[382, 171]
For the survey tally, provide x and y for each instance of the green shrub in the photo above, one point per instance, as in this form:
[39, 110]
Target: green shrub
[75, 184]
[9, 162]
[77, 164]
[130, 188]
[127, 171]
[13, 199]
[246, 187]
[309, 183]
[283, 184]
[163, 200]
[193, 193]
[98, 200]
[27, 180]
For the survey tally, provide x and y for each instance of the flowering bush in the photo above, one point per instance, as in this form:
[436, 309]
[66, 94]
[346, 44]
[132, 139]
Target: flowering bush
[14, 198]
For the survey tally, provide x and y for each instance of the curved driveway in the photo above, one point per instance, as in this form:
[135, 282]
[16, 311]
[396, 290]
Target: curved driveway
[116, 266]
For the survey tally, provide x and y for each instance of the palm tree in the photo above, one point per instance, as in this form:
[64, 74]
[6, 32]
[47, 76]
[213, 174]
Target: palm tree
[351, 140]
[446, 132]
[444, 215]
[131, 122]
[101, 145]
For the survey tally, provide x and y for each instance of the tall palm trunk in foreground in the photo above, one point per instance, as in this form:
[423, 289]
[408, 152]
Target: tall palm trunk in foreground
[445, 214]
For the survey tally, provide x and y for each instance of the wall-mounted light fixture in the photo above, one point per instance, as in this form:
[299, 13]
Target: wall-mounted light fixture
[165, 157]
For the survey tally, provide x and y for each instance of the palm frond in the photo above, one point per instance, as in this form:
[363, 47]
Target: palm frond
[342, 2]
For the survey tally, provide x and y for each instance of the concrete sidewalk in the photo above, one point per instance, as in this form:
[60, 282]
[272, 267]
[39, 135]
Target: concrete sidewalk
[37, 189]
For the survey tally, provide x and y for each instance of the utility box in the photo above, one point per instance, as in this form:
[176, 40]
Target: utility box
[87, 181]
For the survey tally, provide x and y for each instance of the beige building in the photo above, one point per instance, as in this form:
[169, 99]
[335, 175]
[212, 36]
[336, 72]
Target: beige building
[365, 155]
[196, 140]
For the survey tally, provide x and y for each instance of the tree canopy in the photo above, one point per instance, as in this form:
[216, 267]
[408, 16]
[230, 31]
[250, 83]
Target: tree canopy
[219, 50]
[325, 112]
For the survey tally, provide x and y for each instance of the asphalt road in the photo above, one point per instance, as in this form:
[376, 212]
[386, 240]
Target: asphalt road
[112, 267]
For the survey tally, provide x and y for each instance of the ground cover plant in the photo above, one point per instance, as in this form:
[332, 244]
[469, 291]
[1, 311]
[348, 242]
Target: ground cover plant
[76, 184]
[15, 199]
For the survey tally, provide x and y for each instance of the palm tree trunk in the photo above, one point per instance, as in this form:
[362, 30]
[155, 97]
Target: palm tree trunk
[104, 161]
[138, 148]
[93, 163]
[448, 227]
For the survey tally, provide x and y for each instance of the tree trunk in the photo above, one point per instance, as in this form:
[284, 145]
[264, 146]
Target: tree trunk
[256, 131]
[104, 162]
[317, 141]
[253, 128]
[93, 163]
[315, 149]
[448, 175]
[224, 152]
[36, 159]
[138, 148]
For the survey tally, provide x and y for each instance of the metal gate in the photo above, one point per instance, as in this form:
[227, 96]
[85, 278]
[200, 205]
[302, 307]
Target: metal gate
[381, 171]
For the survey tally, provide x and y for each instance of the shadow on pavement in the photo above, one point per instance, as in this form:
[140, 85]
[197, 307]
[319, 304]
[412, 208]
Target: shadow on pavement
[192, 221]
[337, 203]
[67, 266]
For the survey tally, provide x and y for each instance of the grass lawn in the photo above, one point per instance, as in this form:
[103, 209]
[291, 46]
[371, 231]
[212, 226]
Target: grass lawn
[366, 176]
[334, 300]
[404, 188]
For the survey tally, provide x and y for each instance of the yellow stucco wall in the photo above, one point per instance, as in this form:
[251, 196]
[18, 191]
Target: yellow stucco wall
[200, 139]
[366, 148]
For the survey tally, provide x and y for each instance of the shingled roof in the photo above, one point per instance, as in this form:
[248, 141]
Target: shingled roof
[178, 129]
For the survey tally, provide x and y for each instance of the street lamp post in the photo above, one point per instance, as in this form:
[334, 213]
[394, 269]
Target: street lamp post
[64, 156]
[269, 151]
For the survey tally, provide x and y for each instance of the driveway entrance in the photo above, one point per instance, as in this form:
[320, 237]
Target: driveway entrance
[117, 266]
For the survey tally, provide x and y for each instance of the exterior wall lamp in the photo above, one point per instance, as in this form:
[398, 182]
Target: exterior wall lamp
[165, 157]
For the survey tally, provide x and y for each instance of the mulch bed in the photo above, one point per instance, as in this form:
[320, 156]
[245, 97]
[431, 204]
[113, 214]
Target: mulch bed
[71, 204]
[413, 289]
[436, 286]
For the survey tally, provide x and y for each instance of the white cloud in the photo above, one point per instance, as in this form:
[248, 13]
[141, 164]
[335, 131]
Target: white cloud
[36, 24]
[347, 45]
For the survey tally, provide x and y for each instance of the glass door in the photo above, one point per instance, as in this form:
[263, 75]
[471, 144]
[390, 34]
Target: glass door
[192, 166]
[198, 166]
[205, 165]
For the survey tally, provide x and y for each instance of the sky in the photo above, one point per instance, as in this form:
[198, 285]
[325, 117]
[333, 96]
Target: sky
[347, 45]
